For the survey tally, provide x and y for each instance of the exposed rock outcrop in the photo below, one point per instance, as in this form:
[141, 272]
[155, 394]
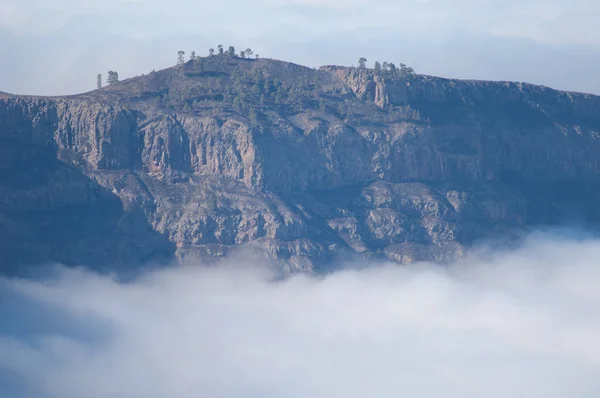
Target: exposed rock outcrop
[303, 165]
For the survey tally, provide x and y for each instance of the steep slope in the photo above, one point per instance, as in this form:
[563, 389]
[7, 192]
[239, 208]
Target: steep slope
[305, 165]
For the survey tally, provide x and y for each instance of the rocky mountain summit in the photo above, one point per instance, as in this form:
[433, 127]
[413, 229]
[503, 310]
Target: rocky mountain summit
[300, 164]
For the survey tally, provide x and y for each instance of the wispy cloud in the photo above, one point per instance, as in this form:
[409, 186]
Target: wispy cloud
[522, 323]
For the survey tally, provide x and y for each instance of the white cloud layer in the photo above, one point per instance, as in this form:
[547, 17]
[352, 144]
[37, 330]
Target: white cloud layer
[523, 323]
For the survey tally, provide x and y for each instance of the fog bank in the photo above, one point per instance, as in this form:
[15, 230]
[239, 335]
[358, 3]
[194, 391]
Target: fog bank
[519, 323]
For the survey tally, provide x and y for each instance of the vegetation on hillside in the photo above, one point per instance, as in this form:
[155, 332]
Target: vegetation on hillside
[387, 68]
[226, 82]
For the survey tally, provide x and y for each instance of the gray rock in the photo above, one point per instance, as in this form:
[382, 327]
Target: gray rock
[404, 168]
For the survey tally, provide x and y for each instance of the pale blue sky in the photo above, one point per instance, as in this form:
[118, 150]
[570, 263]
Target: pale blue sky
[58, 46]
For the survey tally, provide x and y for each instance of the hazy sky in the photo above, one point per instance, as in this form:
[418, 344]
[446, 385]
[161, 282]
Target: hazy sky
[521, 324]
[58, 46]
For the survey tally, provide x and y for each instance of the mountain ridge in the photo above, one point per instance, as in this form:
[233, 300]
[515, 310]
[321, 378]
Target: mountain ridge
[325, 67]
[304, 165]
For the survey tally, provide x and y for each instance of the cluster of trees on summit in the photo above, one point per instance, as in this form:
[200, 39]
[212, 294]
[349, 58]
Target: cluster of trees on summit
[254, 94]
[260, 93]
[113, 78]
[247, 53]
[257, 94]
[387, 68]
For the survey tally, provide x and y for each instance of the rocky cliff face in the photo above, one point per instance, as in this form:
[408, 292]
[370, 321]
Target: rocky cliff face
[303, 165]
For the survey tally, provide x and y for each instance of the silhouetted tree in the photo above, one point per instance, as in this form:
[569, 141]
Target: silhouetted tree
[220, 47]
[113, 78]
[402, 69]
[362, 63]
[180, 57]
[242, 54]
[256, 56]
[99, 81]
[211, 52]
[385, 66]
[231, 51]
[249, 52]
[377, 67]
[193, 56]
[392, 68]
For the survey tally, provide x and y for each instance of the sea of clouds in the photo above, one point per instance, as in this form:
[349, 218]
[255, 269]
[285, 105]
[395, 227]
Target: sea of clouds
[523, 322]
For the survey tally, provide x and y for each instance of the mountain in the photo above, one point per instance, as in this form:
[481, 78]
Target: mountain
[303, 165]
